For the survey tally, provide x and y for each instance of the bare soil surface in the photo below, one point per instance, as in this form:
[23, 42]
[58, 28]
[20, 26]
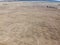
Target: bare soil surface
[29, 25]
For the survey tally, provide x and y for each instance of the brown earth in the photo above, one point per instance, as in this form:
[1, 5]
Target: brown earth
[29, 25]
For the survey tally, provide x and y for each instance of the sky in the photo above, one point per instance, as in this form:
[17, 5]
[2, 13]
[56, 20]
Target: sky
[29, 0]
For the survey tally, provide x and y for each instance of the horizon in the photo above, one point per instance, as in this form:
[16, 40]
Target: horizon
[33, 0]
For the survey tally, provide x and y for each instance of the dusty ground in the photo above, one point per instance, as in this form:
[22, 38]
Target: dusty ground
[29, 25]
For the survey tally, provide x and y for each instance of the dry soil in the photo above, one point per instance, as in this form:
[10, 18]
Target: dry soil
[29, 25]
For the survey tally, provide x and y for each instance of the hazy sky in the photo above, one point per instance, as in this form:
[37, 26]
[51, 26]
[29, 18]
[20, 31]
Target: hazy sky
[29, 0]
